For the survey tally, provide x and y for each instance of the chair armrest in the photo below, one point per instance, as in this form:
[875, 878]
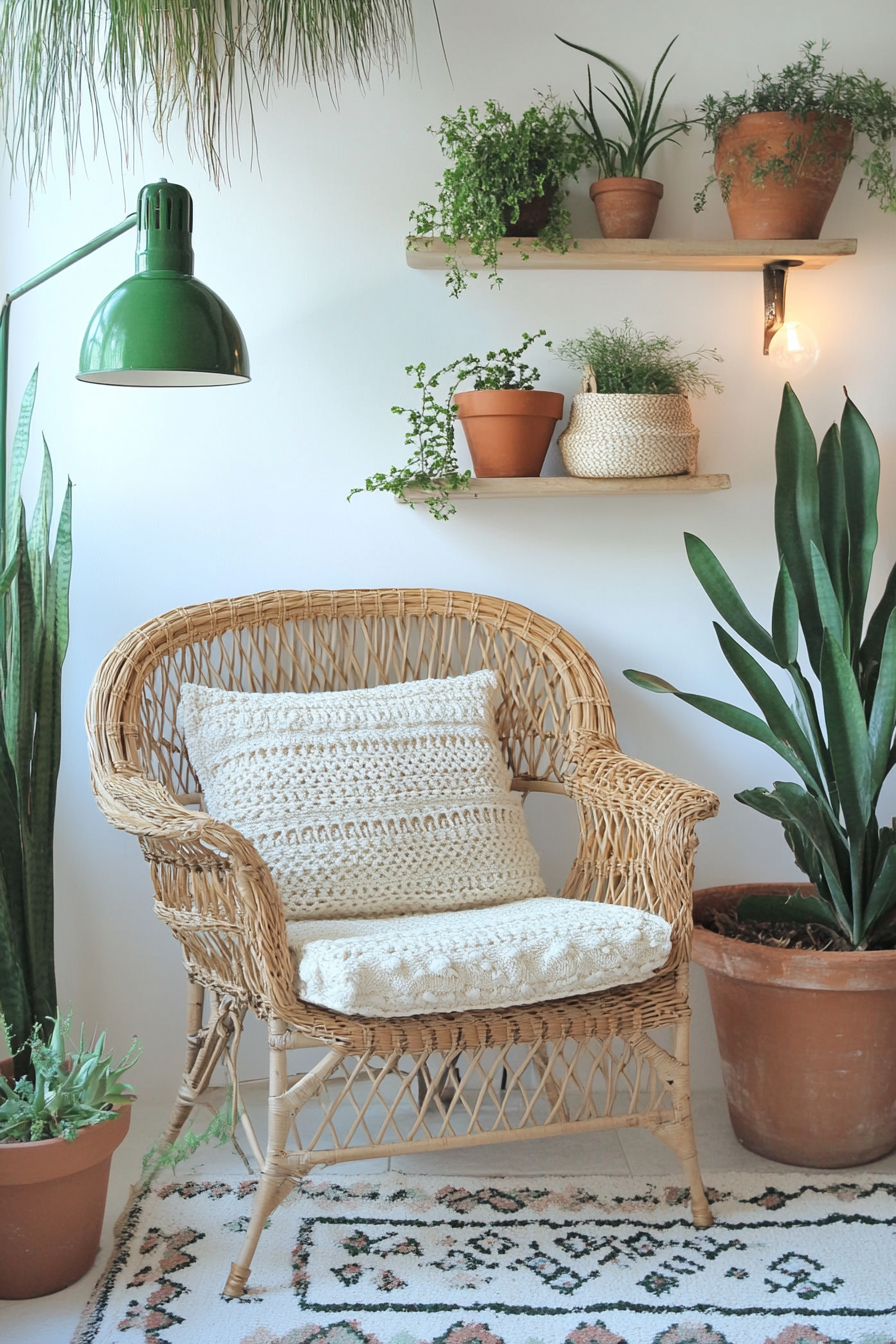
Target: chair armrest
[213, 890]
[637, 841]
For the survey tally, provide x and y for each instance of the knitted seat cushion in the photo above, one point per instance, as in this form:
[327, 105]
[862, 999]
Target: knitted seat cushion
[389, 800]
[497, 957]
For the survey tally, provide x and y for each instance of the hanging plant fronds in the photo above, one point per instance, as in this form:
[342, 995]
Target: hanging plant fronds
[77, 64]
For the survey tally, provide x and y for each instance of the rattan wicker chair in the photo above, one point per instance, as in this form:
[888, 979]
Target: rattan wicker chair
[416, 1083]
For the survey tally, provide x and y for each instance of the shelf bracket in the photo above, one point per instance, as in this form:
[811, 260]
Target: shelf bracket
[774, 288]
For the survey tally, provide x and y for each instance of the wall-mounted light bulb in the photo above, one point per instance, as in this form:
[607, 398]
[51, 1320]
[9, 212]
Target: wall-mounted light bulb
[794, 348]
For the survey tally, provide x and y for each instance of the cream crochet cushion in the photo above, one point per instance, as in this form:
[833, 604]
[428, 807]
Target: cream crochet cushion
[493, 958]
[388, 800]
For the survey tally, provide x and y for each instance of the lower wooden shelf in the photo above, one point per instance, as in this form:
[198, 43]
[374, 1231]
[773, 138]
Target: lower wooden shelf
[544, 487]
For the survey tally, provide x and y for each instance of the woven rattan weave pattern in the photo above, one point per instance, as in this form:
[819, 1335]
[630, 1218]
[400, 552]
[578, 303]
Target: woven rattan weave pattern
[445, 1080]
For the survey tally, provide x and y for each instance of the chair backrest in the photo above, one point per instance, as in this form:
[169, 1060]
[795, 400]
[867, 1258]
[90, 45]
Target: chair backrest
[339, 640]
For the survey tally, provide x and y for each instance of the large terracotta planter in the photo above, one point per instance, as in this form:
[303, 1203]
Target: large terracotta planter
[509, 431]
[626, 206]
[53, 1195]
[807, 1039]
[772, 208]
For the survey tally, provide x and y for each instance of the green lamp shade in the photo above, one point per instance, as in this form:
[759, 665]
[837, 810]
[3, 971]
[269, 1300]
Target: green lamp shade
[162, 327]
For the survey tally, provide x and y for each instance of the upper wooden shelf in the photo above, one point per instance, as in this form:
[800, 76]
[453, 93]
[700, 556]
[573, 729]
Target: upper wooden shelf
[542, 487]
[641, 254]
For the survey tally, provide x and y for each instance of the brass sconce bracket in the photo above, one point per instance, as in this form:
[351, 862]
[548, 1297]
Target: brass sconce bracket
[774, 287]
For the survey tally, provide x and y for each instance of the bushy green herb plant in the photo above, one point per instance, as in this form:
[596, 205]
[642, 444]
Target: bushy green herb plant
[804, 87]
[843, 749]
[73, 1086]
[433, 465]
[640, 113]
[497, 166]
[220, 1130]
[624, 359]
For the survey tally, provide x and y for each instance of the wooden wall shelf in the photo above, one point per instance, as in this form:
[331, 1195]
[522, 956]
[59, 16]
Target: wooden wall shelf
[554, 487]
[641, 254]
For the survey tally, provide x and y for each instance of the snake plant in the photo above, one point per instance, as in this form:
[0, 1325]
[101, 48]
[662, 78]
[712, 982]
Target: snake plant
[34, 588]
[836, 733]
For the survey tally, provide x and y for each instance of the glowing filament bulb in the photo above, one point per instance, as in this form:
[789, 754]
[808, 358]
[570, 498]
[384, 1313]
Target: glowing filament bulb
[794, 348]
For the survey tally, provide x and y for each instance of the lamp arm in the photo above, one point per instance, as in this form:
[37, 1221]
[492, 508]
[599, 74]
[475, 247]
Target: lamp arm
[78, 255]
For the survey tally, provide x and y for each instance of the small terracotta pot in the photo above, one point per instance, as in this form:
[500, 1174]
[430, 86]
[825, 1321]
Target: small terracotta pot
[626, 206]
[508, 432]
[53, 1194]
[533, 216]
[807, 1039]
[773, 208]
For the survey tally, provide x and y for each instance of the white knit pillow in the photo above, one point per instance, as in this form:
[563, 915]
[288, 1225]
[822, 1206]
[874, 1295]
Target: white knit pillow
[493, 958]
[389, 800]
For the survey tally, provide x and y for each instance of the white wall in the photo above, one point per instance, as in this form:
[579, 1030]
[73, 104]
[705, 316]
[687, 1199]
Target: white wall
[187, 495]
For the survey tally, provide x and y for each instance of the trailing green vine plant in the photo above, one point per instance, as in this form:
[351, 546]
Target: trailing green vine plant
[806, 87]
[624, 359]
[433, 466]
[498, 167]
[639, 111]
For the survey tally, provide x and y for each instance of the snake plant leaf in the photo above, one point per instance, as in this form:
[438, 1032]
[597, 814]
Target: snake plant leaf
[809, 817]
[882, 896]
[648, 682]
[17, 460]
[828, 607]
[797, 521]
[870, 651]
[861, 482]
[847, 735]
[8, 575]
[778, 714]
[13, 960]
[832, 515]
[882, 721]
[720, 590]
[785, 619]
[795, 908]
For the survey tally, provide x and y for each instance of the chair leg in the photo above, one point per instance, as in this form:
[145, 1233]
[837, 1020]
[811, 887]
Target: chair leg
[205, 1046]
[679, 1135]
[279, 1172]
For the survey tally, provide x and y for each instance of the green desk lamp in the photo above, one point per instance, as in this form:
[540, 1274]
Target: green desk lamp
[162, 327]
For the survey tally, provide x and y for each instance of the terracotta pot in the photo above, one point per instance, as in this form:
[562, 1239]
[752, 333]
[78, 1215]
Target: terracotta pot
[533, 216]
[508, 432]
[626, 206]
[53, 1195]
[807, 1039]
[782, 209]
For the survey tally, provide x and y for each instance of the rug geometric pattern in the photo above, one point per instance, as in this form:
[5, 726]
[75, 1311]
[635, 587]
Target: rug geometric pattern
[401, 1259]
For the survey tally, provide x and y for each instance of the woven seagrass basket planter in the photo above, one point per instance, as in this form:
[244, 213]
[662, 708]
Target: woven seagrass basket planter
[629, 434]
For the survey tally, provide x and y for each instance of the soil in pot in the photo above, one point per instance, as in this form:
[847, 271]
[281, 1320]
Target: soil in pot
[508, 431]
[626, 206]
[533, 216]
[53, 1195]
[789, 205]
[807, 1040]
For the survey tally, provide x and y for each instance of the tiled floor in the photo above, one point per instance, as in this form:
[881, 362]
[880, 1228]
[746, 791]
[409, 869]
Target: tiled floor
[52, 1320]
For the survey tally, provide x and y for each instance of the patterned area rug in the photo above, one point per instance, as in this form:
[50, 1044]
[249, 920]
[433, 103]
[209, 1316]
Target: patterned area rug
[401, 1259]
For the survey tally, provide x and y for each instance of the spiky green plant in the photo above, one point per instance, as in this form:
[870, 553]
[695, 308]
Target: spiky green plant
[206, 61]
[842, 751]
[34, 588]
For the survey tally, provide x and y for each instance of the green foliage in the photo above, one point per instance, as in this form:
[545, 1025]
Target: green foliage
[201, 63]
[497, 166]
[804, 87]
[163, 1155]
[639, 112]
[842, 750]
[73, 1086]
[624, 359]
[34, 627]
[433, 465]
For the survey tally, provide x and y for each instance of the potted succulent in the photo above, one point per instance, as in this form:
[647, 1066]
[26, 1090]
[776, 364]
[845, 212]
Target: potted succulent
[53, 1155]
[631, 416]
[507, 422]
[58, 1130]
[506, 180]
[803, 975]
[625, 200]
[781, 148]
